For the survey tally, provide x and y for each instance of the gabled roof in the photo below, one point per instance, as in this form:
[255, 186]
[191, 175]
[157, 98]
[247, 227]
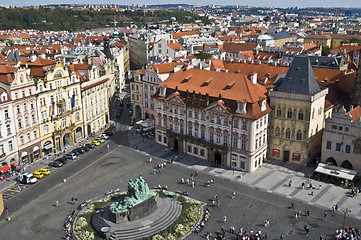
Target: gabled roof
[355, 113]
[175, 45]
[166, 67]
[217, 65]
[182, 34]
[300, 78]
[42, 62]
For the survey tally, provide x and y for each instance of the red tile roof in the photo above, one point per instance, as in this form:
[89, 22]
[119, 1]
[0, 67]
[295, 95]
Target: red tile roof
[175, 45]
[355, 113]
[238, 47]
[182, 34]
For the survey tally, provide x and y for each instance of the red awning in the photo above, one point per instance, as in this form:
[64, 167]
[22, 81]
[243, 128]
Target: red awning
[15, 164]
[5, 169]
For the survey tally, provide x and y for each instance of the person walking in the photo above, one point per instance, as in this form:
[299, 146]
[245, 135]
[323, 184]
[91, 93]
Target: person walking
[56, 203]
[293, 205]
[325, 216]
[290, 183]
[224, 219]
[233, 194]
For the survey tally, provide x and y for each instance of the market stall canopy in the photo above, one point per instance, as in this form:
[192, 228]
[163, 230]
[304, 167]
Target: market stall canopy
[5, 169]
[336, 171]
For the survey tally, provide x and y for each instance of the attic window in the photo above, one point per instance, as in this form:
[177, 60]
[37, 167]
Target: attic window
[186, 80]
[206, 83]
[229, 86]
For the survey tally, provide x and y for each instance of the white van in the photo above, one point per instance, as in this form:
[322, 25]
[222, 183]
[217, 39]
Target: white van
[27, 178]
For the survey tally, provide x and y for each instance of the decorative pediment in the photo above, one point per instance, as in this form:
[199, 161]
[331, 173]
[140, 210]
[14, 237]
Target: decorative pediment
[218, 108]
[175, 99]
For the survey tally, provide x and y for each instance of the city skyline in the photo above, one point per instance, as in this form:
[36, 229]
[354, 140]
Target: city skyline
[256, 3]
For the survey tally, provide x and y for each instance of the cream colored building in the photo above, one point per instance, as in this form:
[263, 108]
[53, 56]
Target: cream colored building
[341, 142]
[136, 93]
[59, 107]
[297, 118]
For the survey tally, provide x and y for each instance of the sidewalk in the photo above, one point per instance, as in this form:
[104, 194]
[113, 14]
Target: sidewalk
[272, 177]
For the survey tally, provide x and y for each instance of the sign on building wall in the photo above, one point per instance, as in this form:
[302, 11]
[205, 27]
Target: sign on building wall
[275, 153]
[296, 156]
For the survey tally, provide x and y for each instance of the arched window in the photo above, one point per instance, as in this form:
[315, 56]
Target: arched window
[289, 113]
[45, 129]
[277, 132]
[288, 133]
[299, 135]
[279, 112]
[300, 115]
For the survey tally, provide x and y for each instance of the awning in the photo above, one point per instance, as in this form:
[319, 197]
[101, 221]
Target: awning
[23, 154]
[336, 171]
[15, 164]
[36, 148]
[5, 169]
[49, 146]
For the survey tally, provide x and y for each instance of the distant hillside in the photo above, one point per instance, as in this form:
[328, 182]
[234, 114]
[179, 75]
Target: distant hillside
[69, 19]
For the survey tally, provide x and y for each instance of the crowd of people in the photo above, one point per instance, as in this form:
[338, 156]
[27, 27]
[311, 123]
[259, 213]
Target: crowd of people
[348, 233]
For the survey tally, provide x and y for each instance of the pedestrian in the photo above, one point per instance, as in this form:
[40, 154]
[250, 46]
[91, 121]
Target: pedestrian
[196, 173]
[232, 229]
[215, 197]
[155, 171]
[56, 203]
[325, 216]
[320, 186]
[213, 203]
[336, 207]
[150, 159]
[303, 185]
[233, 194]
[293, 205]
[72, 200]
[290, 183]
[76, 200]
[193, 184]
[296, 215]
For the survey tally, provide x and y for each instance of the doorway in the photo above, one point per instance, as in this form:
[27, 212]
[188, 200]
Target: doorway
[218, 158]
[286, 156]
[176, 145]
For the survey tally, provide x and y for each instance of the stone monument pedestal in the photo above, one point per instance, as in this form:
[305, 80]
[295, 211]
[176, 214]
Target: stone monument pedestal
[135, 212]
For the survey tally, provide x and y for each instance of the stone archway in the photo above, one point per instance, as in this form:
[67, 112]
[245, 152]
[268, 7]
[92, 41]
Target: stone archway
[346, 164]
[331, 161]
[106, 119]
[78, 132]
[89, 130]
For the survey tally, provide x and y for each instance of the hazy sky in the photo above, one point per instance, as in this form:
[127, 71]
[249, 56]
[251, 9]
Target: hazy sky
[273, 3]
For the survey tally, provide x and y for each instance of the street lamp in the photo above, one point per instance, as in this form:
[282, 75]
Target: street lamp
[345, 211]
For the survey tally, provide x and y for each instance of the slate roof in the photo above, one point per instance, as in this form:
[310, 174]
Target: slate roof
[300, 78]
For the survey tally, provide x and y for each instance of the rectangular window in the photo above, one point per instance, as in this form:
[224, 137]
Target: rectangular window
[11, 145]
[22, 140]
[6, 113]
[338, 147]
[164, 139]
[196, 132]
[189, 148]
[328, 145]
[243, 144]
[244, 125]
[348, 148]
[190, 113]
[256, 145]
[243, 164]
[203, 116]
[225, 140]
[202, 152]
[190, 130]
[35, 135]
[211, 137]
[176, 127]
[256, 124]
[235, 123]
[159, 138]
[218, 139]
[196, 114]
[225, 122]
[235, 142]
[195, 151]
[181, 129]
[203, 134]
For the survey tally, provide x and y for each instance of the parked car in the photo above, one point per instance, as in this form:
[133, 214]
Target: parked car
[62, 160]
[70, 155]
[95, 142]
[55, 164]
[104, 136]
[38, 175]
[27, 178]
[108, 133]
[86, 148]
[89, 145]
[76, 152]
[99, 139]
[80, 150]
[44, 171]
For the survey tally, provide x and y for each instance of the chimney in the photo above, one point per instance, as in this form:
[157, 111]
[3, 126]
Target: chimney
[254, 77]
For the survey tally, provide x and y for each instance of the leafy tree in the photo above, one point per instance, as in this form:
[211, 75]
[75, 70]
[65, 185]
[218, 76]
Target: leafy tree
[325, 50]
[355, 40]
[203, 55]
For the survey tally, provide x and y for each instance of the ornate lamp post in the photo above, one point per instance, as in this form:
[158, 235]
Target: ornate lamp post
[345, 211]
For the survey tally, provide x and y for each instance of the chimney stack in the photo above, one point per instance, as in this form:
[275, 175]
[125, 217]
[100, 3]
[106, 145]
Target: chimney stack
[254, 77]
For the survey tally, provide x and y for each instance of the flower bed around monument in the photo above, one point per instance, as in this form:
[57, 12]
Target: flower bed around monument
[82, 226]
[191, 214]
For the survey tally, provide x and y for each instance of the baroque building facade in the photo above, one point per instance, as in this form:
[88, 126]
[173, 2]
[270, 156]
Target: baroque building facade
[217, 116]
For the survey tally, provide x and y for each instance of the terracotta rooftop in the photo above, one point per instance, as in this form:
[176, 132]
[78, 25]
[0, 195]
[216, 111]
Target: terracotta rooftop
[182, 34]
[167, 67]
[175, 45]
[237, 47]
[355, 113]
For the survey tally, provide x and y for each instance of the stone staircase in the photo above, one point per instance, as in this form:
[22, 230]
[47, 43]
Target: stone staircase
[170, 211]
